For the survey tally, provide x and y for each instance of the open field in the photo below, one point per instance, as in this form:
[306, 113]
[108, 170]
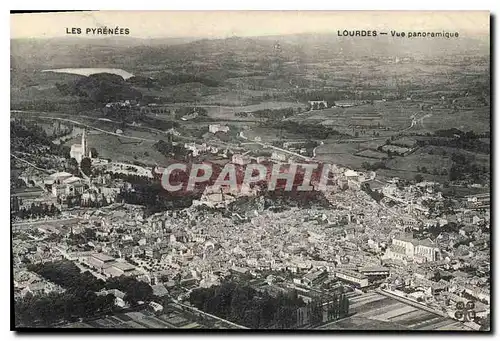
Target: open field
[171, 318]
[476, 119]
[421, 159]
[411, 94]
[269, 134]
[409, 175]
[374, 311]
[228, 112]
[393, 114]
[372, 154]
[122, 150]
[397, 115]
[341, 153]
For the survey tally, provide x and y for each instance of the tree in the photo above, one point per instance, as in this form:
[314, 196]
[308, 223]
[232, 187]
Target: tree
[419, 178]
[73, 166]
[94, 152]
[86, 166]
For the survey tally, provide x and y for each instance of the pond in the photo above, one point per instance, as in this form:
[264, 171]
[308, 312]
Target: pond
[91, 71]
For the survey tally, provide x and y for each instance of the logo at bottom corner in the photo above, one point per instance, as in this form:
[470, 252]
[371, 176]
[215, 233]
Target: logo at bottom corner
[465, 311]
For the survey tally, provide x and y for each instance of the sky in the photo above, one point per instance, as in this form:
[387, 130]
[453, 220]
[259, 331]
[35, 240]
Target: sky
[221, 24]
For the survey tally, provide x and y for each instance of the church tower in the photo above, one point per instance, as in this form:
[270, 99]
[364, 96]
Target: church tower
[84, 144]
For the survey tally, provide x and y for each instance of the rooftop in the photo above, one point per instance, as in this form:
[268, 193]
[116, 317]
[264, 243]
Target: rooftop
[124, 266]
[72, 180]
[351, 273]
[60, 175]
[102, 257]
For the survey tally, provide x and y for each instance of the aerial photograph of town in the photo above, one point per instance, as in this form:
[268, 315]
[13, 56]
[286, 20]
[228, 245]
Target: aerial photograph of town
[316, 171]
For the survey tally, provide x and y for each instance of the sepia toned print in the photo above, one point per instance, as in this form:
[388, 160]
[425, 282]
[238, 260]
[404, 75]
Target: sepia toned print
[254, 170]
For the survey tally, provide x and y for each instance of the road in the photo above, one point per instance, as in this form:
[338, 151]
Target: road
[88, 126]
[275, 148]
[45, 222]
[157, 131]
[30, 164]
[412, 303]
[197, 311]
[151, 129]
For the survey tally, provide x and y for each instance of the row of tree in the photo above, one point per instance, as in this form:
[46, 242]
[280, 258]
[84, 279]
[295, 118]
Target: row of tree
[244, 305]
[79, 300]
[34, 211]
[455, 138]
[56, 307]
[313, 131]
[376, 195]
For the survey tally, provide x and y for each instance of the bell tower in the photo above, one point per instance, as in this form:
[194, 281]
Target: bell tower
[84, 144]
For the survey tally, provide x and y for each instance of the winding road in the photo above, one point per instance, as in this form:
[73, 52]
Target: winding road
[265, 145]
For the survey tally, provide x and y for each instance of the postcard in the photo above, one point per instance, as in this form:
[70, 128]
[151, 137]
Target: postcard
[256, 170]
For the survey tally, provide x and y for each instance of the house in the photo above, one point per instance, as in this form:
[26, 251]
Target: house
[240, 159]
[156, 307]
[345, 104]
[155, 252]
[58, 190]
[191, 116]
[35, 288]
[466, 230]
[277, 156]
[478, 200]
[374, 271]
[352, 277]
[314, 277]
[196, 148]
[214, 128]
[119, 296]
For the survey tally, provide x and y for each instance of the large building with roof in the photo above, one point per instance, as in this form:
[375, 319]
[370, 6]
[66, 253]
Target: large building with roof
[109, 266]
[405, 247]
[352, 277]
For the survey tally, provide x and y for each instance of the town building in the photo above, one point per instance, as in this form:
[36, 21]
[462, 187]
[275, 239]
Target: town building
[69, 186]
[57, 178]
[478, 201]
[348, 103]
[277, 156]
[99, 260]
[214, 128]
[196, 148]
[315, 277]
[240, 159]
[119, 296]
[352, 277]
[118, 269]
[405, 247]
